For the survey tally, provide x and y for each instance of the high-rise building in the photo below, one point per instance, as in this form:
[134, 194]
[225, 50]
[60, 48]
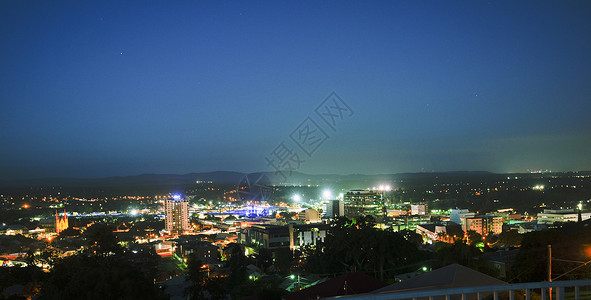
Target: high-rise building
[484, 224]
[363, 202]
[177, 215]
[334, 208]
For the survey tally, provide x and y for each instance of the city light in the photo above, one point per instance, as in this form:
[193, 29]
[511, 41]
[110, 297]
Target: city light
[176, 197]
[134, 212]
[383, 188]
[297, 198]
[326, 195]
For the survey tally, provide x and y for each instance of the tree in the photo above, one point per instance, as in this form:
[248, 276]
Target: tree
[98, 277]
[412, 236]
[570, 242]
[287, 215]
[198, 277]
[473, 237]
[264, 258]
[20, 275]
[355, 245]
[237, 265]
[101, 240]
[510, 238]
[68, 232]
[201, 285]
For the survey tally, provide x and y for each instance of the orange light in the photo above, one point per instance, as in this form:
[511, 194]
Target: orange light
[26, 205]
[588, 250]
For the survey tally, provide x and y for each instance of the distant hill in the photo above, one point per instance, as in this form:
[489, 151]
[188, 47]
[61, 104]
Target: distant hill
[219, 177]
[231, 177]
[120, 181]
[148, 184]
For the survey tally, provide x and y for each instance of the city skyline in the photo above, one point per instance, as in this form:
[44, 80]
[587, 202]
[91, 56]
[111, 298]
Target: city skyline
[119, 89]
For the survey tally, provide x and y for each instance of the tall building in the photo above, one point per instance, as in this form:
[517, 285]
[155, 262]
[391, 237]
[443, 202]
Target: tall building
[363, 202]
[61, 223]
[335, 208]
[177, 215]
[484, 224]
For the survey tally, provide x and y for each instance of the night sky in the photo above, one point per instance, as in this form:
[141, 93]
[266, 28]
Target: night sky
[95, 88]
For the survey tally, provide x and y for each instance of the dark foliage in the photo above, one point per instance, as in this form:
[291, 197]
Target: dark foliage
[355, 245]
[570, 242]
[98, 277]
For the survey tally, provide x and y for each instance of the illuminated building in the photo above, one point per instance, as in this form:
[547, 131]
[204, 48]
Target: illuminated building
[363, 202]
[177, 215]
[551, 216]
[431, 231]
[61, 223]
[484, 224]
[310, 215]
[418, 209]
[459, 215]
[290, 236]
[335, 208]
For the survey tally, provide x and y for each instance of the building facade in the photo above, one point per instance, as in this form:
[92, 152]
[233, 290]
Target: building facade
[458, 216]
[484, 225]
[290, 236]
[334, 208]
[363, 202]
[176, 215]
[61, 223]
[551, 216]
[418, 209]
[310, 215]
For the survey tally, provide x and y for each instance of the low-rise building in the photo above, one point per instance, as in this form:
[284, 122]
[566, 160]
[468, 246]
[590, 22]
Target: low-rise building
[200, 249]
[418, 209]
[290, 236]
[310, 215]
[431, 232]
[551, 216]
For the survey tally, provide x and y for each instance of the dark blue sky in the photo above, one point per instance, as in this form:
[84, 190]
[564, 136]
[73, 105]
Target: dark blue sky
[111, 88]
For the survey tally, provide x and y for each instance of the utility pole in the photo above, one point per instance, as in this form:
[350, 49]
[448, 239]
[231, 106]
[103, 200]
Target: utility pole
[550, 268]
